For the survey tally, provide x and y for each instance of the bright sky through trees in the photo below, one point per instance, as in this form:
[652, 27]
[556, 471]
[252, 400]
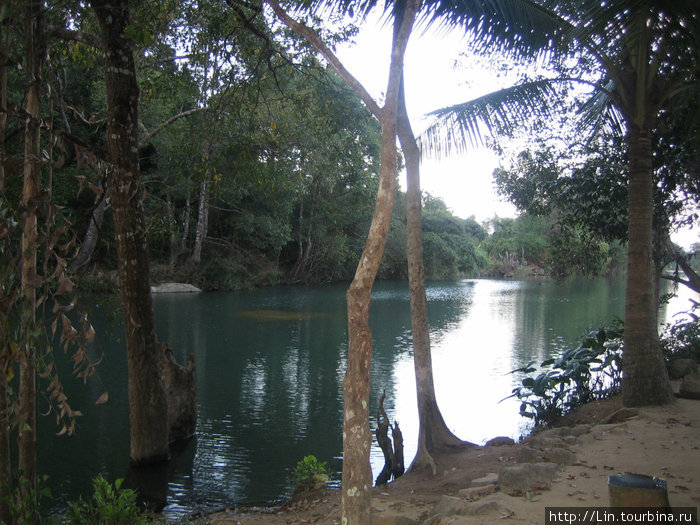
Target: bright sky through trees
[433, 81]
[436, 76]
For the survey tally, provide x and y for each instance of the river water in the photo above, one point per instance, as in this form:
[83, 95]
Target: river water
[270, 364]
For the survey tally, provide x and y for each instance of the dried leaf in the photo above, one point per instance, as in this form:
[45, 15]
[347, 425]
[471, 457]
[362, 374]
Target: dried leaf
[88, 333]
[102, 399]
[65, 285]
[47, 371]
[97, 190]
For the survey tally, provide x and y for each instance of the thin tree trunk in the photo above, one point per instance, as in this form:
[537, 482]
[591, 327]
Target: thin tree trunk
[202, 222]
[186, 221]
[92, 234]
[5, 458]
[296, 267]
[3, 104]
[172, 230]
[645, 379]
[357, 437]
[29, 205]
[147, 401]
[433, 433]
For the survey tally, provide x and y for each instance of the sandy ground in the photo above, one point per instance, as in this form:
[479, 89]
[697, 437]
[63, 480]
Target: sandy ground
[659, 441]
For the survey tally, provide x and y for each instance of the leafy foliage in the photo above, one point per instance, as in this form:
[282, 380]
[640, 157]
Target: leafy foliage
[24, 499]
[110, 505]
[309, 473]
[586, 373]
[451, 244]
[682, 338]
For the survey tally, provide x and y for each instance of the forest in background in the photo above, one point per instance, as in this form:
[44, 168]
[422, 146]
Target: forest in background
[259, 165]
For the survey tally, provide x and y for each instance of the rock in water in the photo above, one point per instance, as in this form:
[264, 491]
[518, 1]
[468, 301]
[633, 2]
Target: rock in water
[174, 288]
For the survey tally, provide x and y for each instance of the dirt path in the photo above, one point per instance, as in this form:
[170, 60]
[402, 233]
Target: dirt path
[659, 441]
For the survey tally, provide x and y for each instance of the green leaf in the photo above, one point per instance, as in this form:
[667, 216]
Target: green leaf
[528, 382]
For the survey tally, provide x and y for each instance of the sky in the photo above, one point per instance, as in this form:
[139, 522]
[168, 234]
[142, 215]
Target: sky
[437, 75]
[432, 81]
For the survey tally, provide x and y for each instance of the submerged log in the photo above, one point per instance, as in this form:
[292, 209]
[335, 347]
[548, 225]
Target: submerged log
[393, 455]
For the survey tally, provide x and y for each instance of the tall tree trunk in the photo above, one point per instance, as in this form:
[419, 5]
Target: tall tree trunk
[172, 230]
[186, 221]
[147, 401]
[6, 303]
[645, 379]
[433, 433]
[200, 232]
[357, 437]
[29, 206]
[5, 39]
[5, 458]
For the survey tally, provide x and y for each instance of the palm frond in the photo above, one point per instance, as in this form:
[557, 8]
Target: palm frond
[465, 125]
[600, 113]
[518, 28]
[521, 28]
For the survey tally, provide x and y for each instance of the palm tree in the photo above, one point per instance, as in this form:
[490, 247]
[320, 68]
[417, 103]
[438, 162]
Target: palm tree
[645, 56]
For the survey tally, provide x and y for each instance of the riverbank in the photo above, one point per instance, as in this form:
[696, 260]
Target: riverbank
[596, 441]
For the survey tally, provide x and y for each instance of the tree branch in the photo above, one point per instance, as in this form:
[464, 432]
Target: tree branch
[329, 55]
[76, 36]
[149, 135]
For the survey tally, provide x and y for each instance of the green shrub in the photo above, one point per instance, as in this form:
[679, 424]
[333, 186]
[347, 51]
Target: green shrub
[586, 373]
[110, 505]
[24, 500]
[222, 273]
[310, 472]
[682, 338]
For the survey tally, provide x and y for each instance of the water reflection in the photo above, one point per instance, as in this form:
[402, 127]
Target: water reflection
[270, 365]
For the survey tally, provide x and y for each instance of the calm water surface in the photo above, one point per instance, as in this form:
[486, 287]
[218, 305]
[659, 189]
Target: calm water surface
[270, 365]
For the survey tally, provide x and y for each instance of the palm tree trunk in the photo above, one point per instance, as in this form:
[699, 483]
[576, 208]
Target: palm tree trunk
[645, 379]
[433, 433]
[147, 401]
